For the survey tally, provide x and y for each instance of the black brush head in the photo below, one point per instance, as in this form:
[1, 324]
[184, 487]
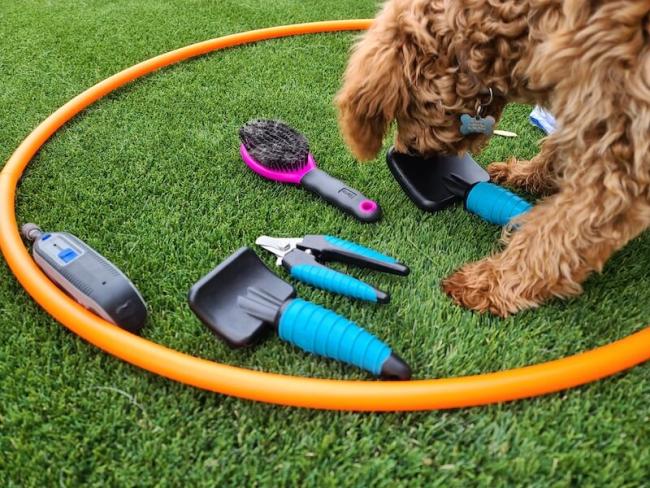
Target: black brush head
[274, 144]
[239, 298]
[435, 182]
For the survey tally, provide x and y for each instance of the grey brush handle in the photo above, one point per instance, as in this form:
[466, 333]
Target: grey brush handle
[341, 195]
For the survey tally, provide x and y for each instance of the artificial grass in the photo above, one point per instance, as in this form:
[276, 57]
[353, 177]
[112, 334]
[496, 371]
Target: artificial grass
[151, 177]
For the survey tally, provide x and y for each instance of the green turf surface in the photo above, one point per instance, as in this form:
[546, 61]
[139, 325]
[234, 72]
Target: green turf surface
[151, 177]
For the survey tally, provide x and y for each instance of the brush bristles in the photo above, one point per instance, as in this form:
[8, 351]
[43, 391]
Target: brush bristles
[274, 144]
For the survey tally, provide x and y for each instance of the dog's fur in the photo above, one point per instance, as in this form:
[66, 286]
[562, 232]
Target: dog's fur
[425, 62]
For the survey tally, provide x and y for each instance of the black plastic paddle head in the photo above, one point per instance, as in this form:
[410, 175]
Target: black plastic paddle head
[437, 182]
[240, 298]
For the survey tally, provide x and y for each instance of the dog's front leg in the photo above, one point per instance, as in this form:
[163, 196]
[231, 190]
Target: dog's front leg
[556, 246]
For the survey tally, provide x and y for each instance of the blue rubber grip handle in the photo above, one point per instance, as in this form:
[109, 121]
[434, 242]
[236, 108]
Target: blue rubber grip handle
[358, 249]
[495, 204]
[331, 280]
[320, 331]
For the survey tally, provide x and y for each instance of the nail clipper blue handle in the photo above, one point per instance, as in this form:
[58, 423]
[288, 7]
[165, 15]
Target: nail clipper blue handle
[358, 249]
[320, 331]
[495, 204]
[331, 280]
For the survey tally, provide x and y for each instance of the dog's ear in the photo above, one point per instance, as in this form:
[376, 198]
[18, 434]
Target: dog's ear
[372, 93]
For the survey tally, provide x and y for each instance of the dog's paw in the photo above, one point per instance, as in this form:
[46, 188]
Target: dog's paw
[472, 286]
[479, 286]
[502, 173]
[526, 175]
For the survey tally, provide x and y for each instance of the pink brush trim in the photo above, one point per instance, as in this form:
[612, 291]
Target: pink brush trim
[277, 175]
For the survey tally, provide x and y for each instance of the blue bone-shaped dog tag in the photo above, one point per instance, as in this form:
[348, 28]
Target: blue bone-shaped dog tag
[476, 125]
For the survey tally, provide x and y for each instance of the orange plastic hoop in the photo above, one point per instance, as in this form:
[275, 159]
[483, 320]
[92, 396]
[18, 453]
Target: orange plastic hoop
[268, 387]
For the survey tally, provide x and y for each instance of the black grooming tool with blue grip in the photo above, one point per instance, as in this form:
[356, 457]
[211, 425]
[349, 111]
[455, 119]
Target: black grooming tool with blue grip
[439, 181]
[241, 299]
[302, 258]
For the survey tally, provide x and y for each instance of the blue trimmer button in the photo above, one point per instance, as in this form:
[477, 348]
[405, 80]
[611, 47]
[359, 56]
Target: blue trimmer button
[67, 255]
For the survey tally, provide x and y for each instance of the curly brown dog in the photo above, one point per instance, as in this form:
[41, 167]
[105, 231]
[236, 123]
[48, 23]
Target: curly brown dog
[424, 63]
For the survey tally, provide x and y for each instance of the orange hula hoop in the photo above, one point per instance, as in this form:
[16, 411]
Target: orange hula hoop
[269, 387]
